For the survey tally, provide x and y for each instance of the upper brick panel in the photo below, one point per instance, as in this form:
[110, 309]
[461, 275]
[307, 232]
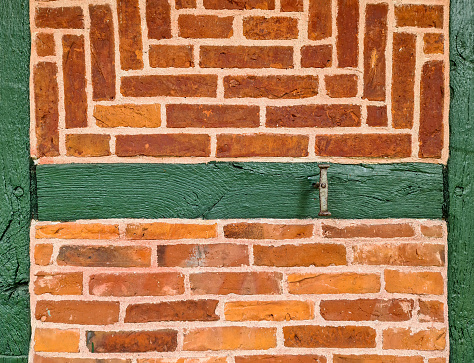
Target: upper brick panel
[270, 80]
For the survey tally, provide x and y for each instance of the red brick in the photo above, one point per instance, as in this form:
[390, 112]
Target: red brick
[269, 310]
[367, 309]
[377, 116]
[56, 340]
[422, 16]
[264, 145]
[341, 85]
[102, 52]
[320, 23]
[177, 56]
[316, 56]
[314, 116]
[87, 145]
[187, 85]
[431, 132]
[239, 4]
[132, 341]
[43, 253]
[45, 44]
[336, 283]
[199, 255]
[400, 338]
[77, 312]
[184, 310]
[376, 359]
[314, 254]
[375, 42]
[46, 95]
[205, 26]
[40, 359]
[369, 145]
[158, 19]
[277, 27]
[310, 336]
[137, 284]
[246, 57]
[74, 73]
[291, 5]
[431, 311]
[182, 115]
[163, 145]
[433, 43]
[275, 87]
[127, 115]
[59, 18]
[414, 282]
[185, 4]
[166, 231]
[281, 359]
[259, 231]
[58, 283]
[240, 283]
[403, 80]
[432, 231]
[130, 34]
[104, 256]
[347, 42]
[72, 230]
[369, 231]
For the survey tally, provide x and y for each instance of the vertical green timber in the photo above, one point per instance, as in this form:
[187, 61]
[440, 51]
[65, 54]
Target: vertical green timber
[460, 183]
[14, 180]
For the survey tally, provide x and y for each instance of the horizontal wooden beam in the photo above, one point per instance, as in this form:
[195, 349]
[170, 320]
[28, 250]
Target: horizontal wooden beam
[237, 190]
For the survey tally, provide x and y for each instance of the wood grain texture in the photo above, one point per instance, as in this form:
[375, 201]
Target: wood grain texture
[237, 190]
[460, 183]
[14, 179]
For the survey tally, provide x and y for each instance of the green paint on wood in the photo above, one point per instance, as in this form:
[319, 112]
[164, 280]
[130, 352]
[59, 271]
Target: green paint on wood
[460, 183]
[15, 179]
[237, 190]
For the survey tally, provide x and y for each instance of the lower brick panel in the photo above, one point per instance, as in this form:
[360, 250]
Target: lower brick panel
[239, 291]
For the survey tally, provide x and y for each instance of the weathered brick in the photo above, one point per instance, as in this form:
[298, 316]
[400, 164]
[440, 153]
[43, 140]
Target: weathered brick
[375, 42]
[264, 145]
[185, 4]
[240, 283]
[59, 18]
[199, 255]
[347, 42]
[422, 16]
[78, 231]
[132, 341]
[187, 85]
[136, 284]
[406, 254]
[87, 145]
[177, 56]
[45, 44]
[314, 116]
[46, 95]
[43, 253]
[239, 4]
[431, 311]
[40, 359]
[205, 26]
[403, 80]
[158, 19]
[128, 115]
[369, 231]
[372, 358]
[56, 340]
[104, 256]
[310, 336]
[246, 57]
[432, 231]
[184, 360]
[414, 282]
[166, 231]
[431, 132]
[275, 87]
[377, 116]
[336, 283]
[182, 115]
[229, 338]
[276, 27]
[437, 360]
[319, 22]
[130, 34]
[314, 254]
[291, 5]
[246, 230]
[163, 145]
[269, 310]
[77, 312]
[433, 43]
[368, 145]
[74, 74]
[341, 85]
[184, 310]
[102, 52]
[316, 56]
[58, 283]
[367, 309]
[400, 338]
[281, 359]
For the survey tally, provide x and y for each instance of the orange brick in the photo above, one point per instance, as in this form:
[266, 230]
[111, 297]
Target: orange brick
[184, 360]
[158, 18]
[320, 23]
[276, 27]
[367, 309]
[347, 42]
[185, 4]
[269, 310]
[310, 336]
[291, 5]
[205, 26]
[43, 253]
[187, 310]
[104, 256]
[177, 56]
[422, 16]
[130, 34]
[78, 231]
[267, 231]
[316, 56]
[56, 340]
[166, 231]
[242, 4]
[433, 43]
[45, 44]
[132, 341]
[369, 231]
[281, 359]
[127, 115]
[437, 360]
[431, 311]
[229, 338]
[77, 312]
[58, 283]
[376, 359]
[400, 338]
[414, 282]
[59, 18]
[40, 359]
[377, 116]
[341, 85]
[87, 145]
[337, 283]
[432, 231]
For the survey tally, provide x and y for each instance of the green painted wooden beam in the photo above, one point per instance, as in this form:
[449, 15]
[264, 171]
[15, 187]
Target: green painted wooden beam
[237, 190]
